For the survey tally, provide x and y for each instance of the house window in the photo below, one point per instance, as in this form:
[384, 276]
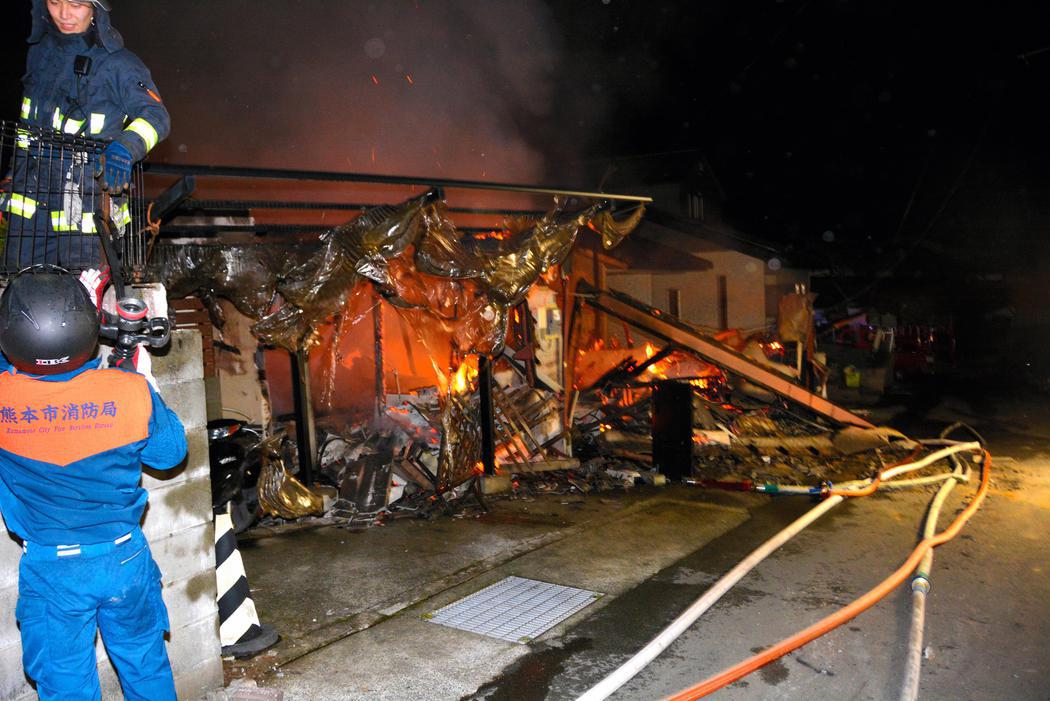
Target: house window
[695, 205]
[674, 302]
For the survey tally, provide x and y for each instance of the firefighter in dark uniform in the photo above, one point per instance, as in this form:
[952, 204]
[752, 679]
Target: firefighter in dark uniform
[80, 81]
[73, 439]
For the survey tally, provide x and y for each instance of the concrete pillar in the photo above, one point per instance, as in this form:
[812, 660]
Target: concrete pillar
[240, 390]
[178, 524]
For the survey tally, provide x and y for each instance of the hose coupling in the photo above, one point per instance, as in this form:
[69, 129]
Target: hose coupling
[920, 583]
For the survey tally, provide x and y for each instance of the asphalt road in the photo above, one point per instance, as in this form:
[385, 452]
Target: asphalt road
[353, 607]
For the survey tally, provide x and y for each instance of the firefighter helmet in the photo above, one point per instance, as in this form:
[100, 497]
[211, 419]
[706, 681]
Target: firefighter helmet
[48, 323]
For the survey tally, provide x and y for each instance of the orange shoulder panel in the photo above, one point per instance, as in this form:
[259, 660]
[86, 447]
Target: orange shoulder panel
[63, 422]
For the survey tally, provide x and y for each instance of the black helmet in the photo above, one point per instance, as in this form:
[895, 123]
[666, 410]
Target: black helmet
[48, 323]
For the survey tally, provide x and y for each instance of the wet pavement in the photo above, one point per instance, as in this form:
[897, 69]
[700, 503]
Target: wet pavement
[604, 544]
[986, 614]
[652, 552]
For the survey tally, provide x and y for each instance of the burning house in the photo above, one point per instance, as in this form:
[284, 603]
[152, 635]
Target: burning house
[471, 329]
[438, 348]
[398, 313]
[471, 437]
[441, 346]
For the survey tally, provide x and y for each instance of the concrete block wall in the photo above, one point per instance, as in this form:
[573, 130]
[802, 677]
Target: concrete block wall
[178, 524]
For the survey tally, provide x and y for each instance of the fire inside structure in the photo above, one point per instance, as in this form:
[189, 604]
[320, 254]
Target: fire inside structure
[461, 352]
[404, 324]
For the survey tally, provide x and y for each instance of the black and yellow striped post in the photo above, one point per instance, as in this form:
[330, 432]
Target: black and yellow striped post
[240, 631]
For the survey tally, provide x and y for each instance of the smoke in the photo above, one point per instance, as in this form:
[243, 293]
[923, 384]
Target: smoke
[444, 89]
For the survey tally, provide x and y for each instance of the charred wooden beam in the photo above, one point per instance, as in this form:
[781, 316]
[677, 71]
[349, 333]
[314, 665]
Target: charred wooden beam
[305, 435]
[487, 417]
[657, 323]
[377, 330]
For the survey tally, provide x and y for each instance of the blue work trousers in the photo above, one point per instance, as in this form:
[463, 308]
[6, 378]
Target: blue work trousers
[63, 600]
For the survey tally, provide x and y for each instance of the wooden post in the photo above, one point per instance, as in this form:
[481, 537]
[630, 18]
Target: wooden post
[486, 416]
[306, 437]
[377, 330]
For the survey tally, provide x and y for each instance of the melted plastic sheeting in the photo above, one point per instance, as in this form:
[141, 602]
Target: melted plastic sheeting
[313, 291]
[245, 275]
[460, 450]
[319, 287]
[480, 330]
[281, 494]
[382, 233]
[414, 256]
[459, 308]
[441, 252]
[508, 276]
[360, 306]
[613, 231]
[386, 231]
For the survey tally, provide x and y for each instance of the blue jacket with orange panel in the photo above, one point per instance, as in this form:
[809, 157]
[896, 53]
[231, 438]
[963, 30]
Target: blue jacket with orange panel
[72, 448]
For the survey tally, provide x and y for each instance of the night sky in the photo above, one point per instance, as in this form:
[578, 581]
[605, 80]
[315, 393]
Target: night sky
[864, 136]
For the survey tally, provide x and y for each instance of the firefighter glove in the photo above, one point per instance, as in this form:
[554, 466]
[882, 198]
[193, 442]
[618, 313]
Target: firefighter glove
[116, 175]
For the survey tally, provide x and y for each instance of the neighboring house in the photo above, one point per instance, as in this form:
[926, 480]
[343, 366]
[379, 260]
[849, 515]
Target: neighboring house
[745, 278]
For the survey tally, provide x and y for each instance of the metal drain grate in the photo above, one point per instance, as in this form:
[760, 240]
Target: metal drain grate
[514, 609]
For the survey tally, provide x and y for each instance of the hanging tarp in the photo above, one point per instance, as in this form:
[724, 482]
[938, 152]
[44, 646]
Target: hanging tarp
[413, 255]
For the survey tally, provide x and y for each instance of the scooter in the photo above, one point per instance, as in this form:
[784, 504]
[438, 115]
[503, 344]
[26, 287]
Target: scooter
[235, 466]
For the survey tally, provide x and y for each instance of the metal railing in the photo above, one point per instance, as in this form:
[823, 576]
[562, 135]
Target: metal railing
[204, 193]
[51, 204]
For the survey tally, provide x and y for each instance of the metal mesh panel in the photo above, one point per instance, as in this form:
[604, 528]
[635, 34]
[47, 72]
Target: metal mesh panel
[514, 609]
[50, 203]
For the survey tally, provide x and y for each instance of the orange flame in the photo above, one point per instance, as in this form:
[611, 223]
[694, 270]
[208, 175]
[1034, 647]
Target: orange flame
[662, 368]
[502, 235]
[462, 380]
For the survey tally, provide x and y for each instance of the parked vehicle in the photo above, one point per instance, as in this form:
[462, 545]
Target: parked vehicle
[235, 466]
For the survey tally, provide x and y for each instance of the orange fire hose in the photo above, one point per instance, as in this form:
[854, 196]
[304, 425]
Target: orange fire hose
[866, 491]
[866, 601]
[871, 488]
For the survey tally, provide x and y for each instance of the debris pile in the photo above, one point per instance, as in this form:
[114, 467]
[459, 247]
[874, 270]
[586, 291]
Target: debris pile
[736, 431]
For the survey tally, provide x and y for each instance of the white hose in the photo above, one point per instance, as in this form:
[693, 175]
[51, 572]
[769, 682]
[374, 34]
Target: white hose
[913, 663]
[916, 481]
[887, 477]
[929, 459]
[920, 586]
[622, 674]
[668, 635]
